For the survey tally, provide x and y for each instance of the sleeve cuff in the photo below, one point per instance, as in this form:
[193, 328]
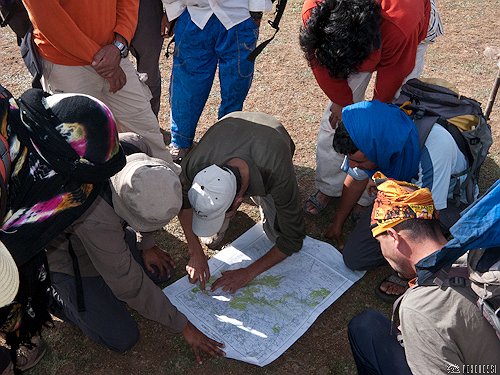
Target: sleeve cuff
[145, 240]
[260, 5]
[125, 32]
[174, 10]
[289, 247]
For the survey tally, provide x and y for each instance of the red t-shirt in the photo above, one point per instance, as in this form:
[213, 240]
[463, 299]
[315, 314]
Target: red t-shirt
[404, 25]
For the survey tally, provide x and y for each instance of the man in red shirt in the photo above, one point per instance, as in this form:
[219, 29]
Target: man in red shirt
[345, 42]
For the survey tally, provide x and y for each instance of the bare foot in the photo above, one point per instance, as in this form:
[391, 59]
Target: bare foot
[392, 289]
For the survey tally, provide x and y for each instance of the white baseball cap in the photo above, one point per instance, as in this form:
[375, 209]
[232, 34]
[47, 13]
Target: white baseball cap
[211, 195]
[147, 192]
[9, 277]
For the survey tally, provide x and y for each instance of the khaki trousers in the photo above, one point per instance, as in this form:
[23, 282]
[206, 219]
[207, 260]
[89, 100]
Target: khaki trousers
[130, 105]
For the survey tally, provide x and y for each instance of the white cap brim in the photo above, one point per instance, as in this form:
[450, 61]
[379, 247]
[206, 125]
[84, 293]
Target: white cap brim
[207, 228]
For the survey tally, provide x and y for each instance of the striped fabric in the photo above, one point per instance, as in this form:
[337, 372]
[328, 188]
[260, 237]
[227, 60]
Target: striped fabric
[435, 27]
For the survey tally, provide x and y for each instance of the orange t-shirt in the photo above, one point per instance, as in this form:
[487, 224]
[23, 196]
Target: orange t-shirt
[404, 25]
[71, 32]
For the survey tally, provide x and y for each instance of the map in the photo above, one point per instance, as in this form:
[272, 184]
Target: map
[260, 321]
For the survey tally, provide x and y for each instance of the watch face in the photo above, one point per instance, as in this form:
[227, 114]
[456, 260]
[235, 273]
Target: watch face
[124, 51]
[122, 48]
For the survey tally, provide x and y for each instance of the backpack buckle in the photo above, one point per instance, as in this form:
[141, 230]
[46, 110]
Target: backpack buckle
[474, 141]
[457, 281]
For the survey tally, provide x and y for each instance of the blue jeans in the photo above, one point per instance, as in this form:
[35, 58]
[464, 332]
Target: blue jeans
[375, 350]
[196, 56]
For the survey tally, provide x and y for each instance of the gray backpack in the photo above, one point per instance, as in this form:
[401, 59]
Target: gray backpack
[428, 103]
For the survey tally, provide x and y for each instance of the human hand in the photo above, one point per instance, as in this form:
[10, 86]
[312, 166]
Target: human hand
[167, 27]
[372, 188]
[334, 232]
[154, 256]
[232, 280]
[197, 268]
[106, 60]
[117, 80]
[335, 115]
[201, 343]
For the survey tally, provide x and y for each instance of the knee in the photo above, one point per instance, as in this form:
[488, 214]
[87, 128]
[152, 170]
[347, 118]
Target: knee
[361, 327]
[123, 342]
[351, 259]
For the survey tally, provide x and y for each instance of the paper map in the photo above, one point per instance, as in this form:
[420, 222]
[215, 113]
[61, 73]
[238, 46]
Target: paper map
[260, 321]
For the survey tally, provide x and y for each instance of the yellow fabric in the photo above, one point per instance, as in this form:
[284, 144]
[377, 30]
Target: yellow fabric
[398, 201]
[465, 122]
[440, 82]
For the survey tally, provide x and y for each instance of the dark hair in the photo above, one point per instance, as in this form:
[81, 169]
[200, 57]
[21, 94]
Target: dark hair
[342, 142]
[341, 34]
[236, 173]
[421, 228]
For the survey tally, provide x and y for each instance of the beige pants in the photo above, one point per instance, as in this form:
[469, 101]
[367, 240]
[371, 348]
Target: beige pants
[329, 177]
[130, 105]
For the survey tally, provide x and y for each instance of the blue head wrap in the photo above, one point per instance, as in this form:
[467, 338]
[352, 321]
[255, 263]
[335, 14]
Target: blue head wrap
[386, 135]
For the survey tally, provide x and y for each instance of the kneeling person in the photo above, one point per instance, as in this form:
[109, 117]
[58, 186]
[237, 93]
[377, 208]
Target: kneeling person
[244, 154]
[92, 265]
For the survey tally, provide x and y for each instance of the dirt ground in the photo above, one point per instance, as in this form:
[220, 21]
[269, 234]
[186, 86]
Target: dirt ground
[284, 87]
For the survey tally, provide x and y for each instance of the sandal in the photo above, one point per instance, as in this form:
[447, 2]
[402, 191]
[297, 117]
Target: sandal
[395, 280]
[313, 199]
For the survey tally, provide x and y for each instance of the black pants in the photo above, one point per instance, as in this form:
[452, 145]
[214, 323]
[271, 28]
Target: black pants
[146, 47]
[106, 319]
[375, 350]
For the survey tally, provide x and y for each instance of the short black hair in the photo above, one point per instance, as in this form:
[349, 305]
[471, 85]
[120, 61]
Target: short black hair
[342, 142]
[421, 228]
[236, 173]
[341, 34]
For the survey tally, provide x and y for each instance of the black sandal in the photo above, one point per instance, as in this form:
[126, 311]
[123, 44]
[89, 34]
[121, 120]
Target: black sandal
[393, 279]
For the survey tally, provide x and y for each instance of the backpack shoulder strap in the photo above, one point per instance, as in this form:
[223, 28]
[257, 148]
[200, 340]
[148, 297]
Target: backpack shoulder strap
[424, 126]
[458, 138]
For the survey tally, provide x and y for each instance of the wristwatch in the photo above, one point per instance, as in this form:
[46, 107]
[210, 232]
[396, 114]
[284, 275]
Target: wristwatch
[122, 47]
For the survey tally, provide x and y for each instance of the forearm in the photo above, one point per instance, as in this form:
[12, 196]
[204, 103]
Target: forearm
[186, 219]
[108, 251]
[337, 90]
[270, 259]
[351, 192]
[60, 29]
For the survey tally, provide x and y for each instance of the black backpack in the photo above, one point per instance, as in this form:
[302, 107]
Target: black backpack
[430, 103]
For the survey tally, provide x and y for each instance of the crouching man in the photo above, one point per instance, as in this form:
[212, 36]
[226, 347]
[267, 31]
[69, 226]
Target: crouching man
[244, 154]
[95, 265]
[442, 329]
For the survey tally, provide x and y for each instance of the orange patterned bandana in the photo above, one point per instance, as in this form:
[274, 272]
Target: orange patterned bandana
[398, 201]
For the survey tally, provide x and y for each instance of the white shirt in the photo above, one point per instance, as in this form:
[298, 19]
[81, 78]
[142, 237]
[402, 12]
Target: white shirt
[229, 12]
[440, 159]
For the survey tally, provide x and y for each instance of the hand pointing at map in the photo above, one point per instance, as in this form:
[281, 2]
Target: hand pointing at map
[232, 280]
